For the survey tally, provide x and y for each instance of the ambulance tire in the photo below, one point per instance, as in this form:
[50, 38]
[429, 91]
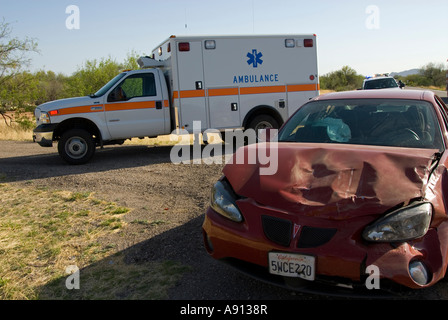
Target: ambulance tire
[76, 146]
[263, 121]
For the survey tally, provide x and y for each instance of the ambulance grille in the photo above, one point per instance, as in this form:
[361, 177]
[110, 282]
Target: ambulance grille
[277, 230]
[311, 237]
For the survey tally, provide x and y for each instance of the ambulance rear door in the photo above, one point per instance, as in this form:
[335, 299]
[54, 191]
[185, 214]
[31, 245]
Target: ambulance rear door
[191, 86]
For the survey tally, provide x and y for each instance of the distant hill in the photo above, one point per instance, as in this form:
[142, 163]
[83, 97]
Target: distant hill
[405, 73]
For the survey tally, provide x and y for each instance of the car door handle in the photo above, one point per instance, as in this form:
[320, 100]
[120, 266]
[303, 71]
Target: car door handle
[158, 104]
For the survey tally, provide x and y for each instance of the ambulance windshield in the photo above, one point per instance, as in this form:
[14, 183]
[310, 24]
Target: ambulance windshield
[108, 85]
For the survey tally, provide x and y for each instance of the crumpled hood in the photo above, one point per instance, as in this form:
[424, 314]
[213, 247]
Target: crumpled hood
[330, 180]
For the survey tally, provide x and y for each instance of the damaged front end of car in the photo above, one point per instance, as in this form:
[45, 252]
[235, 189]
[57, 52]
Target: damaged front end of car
[359, 217]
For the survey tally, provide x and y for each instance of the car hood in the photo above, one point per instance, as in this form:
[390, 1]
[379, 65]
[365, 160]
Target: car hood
[329, 180]
[66, 103]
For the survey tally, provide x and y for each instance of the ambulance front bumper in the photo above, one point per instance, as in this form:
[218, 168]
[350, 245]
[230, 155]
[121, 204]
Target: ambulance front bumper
[43, 135]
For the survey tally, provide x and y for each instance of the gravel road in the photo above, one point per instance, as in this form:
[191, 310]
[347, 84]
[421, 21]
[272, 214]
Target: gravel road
[144, 179]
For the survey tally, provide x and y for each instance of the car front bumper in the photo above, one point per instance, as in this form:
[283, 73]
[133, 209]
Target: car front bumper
[343, 259]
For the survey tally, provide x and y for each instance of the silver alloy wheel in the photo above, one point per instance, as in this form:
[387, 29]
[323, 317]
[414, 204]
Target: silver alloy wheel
[263, 125]
[76, 147]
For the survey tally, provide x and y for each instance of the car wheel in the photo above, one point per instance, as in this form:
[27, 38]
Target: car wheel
[76, 146]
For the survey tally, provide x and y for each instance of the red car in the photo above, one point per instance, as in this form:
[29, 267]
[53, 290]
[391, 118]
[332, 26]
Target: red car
[358, 196]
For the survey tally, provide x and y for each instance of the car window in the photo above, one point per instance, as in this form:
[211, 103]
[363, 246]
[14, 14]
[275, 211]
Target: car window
[139, 85]
[443, 109]
[442, 104]
[383, 122]
[109, 85]
[381, 84]
[134, 86]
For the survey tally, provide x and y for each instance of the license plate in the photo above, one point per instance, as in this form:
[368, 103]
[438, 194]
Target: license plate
[292, 265]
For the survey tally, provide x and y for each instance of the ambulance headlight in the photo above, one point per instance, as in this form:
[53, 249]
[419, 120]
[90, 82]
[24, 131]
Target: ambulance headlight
[44, 117]
[223, 201]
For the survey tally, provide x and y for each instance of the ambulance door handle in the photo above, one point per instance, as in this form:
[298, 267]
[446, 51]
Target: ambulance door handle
[198, 85]
[159, 105]
[234, 106]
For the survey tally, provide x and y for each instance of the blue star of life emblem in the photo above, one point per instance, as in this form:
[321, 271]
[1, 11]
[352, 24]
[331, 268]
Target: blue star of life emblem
[254, 58]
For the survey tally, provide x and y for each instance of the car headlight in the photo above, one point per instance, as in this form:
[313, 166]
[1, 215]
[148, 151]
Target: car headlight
[44, 117]
[223, 201]
[404, 224]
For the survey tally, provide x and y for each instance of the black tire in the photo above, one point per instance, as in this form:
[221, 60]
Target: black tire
[76, 146]
[263, 121]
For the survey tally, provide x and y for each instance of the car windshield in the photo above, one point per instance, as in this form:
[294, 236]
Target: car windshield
[381, 84]
[108, 85]
[383, 122]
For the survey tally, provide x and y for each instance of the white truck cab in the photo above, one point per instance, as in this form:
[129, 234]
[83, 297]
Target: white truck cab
[225, 82]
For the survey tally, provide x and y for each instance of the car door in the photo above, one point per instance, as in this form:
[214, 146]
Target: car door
[135, 108]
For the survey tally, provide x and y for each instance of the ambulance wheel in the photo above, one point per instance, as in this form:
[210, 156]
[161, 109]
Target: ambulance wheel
[263, 122]
[260, 122]
[76, 146]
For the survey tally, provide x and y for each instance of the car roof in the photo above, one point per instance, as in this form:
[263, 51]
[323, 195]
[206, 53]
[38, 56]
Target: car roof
[378, 78]
[379, 94]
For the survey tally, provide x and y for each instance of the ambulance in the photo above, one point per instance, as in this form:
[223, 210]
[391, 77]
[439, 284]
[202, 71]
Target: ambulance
[219, 82]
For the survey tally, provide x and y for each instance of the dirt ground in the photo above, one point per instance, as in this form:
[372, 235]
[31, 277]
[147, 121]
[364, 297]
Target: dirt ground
[172, 196]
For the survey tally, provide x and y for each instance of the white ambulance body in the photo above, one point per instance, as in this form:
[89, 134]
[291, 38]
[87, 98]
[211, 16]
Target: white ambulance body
[226, 82]
[221, 82]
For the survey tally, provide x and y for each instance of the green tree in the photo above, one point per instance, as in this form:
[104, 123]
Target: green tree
[92, 76]
[435, 73]
[51, 86]
[13, 59]
[131, 61]
[341, 80]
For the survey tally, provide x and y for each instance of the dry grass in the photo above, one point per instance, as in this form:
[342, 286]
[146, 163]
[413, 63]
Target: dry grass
[42, 232]
[12, 131]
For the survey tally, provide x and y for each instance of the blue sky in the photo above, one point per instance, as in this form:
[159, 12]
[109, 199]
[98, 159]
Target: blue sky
[397, 35]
